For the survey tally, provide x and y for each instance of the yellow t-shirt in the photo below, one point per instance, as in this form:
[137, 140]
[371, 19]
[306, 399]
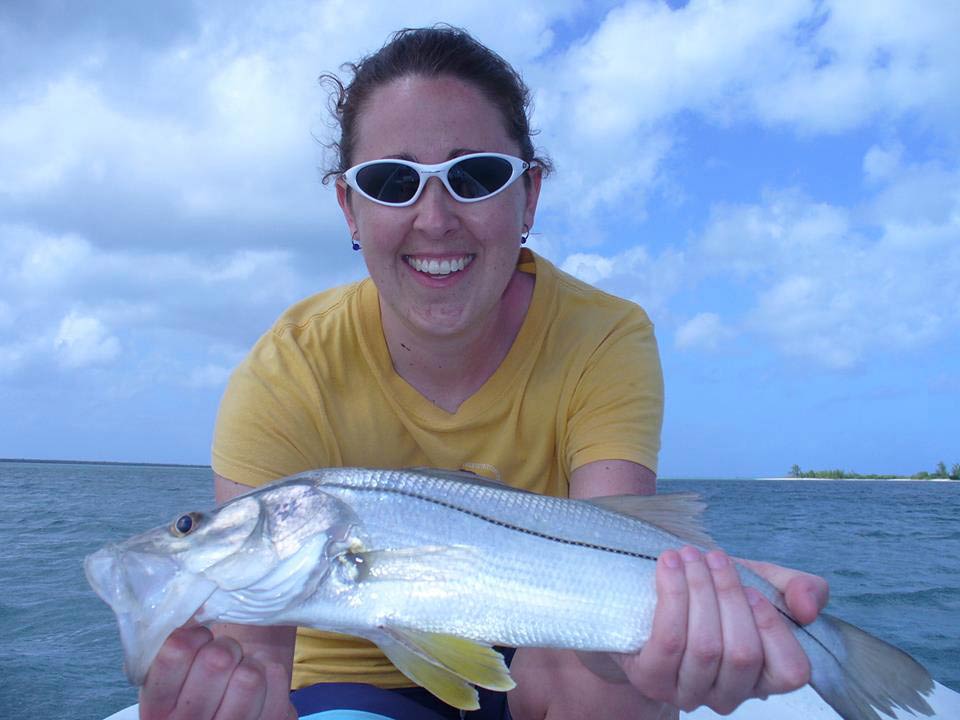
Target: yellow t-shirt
[581, 383]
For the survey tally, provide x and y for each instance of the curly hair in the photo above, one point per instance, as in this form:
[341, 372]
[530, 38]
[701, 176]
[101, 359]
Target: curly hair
[430, 52]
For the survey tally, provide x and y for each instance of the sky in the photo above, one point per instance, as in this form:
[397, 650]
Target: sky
[777, 184]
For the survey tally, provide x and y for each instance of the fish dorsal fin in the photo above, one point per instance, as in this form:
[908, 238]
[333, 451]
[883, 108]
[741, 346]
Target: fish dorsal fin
[466, 476]
[445, 665]
[675, 513]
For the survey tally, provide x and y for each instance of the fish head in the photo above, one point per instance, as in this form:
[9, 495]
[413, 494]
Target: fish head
[249, 547]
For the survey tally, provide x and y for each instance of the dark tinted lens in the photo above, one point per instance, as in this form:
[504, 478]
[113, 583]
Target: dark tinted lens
[389, 182]
[478, 177]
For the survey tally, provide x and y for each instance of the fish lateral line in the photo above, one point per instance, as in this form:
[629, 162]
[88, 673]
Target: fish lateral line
[495, 521]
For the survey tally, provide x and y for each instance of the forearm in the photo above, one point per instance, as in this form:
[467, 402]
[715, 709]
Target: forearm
[556, 685]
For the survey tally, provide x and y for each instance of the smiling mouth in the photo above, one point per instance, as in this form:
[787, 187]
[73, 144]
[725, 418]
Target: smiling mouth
[438, 268]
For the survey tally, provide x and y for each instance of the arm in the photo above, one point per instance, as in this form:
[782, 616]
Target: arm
[235, 671]
[555, 684]
[712, 642]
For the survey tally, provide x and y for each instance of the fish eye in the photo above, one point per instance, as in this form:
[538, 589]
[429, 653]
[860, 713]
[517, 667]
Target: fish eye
[185, 524]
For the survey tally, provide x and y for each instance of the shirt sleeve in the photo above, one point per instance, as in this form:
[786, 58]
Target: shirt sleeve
[271, 420]
[616, 411]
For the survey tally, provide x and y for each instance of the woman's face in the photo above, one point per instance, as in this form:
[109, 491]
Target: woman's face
[430, 120]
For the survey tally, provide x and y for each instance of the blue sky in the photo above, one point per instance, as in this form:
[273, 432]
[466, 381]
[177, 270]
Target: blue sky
[778, 184]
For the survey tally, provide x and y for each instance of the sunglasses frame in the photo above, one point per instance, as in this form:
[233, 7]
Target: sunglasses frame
[440, 171]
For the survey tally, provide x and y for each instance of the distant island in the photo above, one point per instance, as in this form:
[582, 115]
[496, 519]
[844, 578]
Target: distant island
[940, 473]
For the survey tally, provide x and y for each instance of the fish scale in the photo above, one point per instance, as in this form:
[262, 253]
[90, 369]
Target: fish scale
[583, 596]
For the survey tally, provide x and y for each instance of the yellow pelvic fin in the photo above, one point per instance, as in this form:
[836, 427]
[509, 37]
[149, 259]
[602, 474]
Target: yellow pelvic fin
[445, 665]
[478, 663]
[426, 673]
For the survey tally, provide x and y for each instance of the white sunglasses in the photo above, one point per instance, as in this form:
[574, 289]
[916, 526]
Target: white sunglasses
[468, 178]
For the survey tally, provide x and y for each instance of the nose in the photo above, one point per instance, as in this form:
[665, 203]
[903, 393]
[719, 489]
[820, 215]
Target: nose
[436, 210]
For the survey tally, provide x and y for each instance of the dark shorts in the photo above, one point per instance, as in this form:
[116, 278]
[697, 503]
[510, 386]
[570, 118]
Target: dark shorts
[355, 701]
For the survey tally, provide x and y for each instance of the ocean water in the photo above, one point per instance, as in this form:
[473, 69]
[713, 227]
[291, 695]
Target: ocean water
[891, 551]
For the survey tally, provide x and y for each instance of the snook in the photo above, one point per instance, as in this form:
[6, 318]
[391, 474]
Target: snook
[435, 567]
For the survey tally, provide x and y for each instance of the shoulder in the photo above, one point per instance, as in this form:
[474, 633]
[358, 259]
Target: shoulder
[587, 308]
[322, 310]
[310, 333]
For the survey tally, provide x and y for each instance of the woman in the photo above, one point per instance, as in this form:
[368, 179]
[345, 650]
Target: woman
[464, 351]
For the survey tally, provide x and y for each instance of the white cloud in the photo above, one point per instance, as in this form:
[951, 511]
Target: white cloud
[84, 340]
[612, 103]
[226, 299]
[881, 163]
[209, 375]
[833, 290]
[649, 280]
[704, 330]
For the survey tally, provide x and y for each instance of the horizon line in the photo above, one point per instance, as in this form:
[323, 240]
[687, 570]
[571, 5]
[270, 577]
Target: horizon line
[102, 462]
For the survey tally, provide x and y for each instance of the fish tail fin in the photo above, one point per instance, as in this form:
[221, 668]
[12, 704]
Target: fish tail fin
[858, 674]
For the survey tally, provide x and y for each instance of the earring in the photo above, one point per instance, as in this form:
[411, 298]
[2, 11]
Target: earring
[356, 245]
[525, 234]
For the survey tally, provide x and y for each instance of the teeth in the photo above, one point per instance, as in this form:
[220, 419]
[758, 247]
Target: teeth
[439, 267]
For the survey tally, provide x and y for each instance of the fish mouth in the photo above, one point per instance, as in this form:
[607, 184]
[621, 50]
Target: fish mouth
[150, 594]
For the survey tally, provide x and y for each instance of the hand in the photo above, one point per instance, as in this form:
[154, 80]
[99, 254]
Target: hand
[716, 643]
[196, 676]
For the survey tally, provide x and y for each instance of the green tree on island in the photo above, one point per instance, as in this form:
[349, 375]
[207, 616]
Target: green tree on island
[939, 473]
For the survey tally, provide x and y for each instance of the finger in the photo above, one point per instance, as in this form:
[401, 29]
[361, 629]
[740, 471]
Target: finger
[701, 661]
[245, 693]
[207, 680]
[806, 595]
[277, 704]
[158, 696]
[654, 670]
[742, 660]
[786, 666]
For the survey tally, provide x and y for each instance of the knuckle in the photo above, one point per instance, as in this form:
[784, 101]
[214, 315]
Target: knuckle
[249, 677]
[218, 657]
[181, 646]
[707, 652]
[766, 617]
[671, 644]
[794, 674]
[745, 658]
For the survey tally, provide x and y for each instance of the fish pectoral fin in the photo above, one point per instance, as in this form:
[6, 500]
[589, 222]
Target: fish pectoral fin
[676, 513]
[446, 665]
[427, 563]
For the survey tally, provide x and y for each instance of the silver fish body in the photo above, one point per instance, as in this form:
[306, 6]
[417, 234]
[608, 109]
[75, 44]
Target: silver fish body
[412, 559]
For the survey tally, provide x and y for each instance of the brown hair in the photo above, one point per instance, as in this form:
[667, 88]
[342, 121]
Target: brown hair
[431, 52]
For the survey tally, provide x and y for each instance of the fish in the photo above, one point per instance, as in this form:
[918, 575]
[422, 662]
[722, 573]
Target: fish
[438, 567]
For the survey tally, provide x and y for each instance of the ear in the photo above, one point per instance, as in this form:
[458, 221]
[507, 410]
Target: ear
[533, 195]
[343, 198]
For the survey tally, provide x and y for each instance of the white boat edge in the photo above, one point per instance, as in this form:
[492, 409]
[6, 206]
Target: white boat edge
[803, 704]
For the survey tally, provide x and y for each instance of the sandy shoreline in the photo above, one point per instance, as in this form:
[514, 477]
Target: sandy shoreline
[899, 479]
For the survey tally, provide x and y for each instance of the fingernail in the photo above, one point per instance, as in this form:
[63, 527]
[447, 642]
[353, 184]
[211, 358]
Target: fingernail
[689, 554]
[717, 560]
[671, 559]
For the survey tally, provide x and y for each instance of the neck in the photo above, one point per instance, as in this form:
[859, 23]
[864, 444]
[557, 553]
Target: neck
[448, 369]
